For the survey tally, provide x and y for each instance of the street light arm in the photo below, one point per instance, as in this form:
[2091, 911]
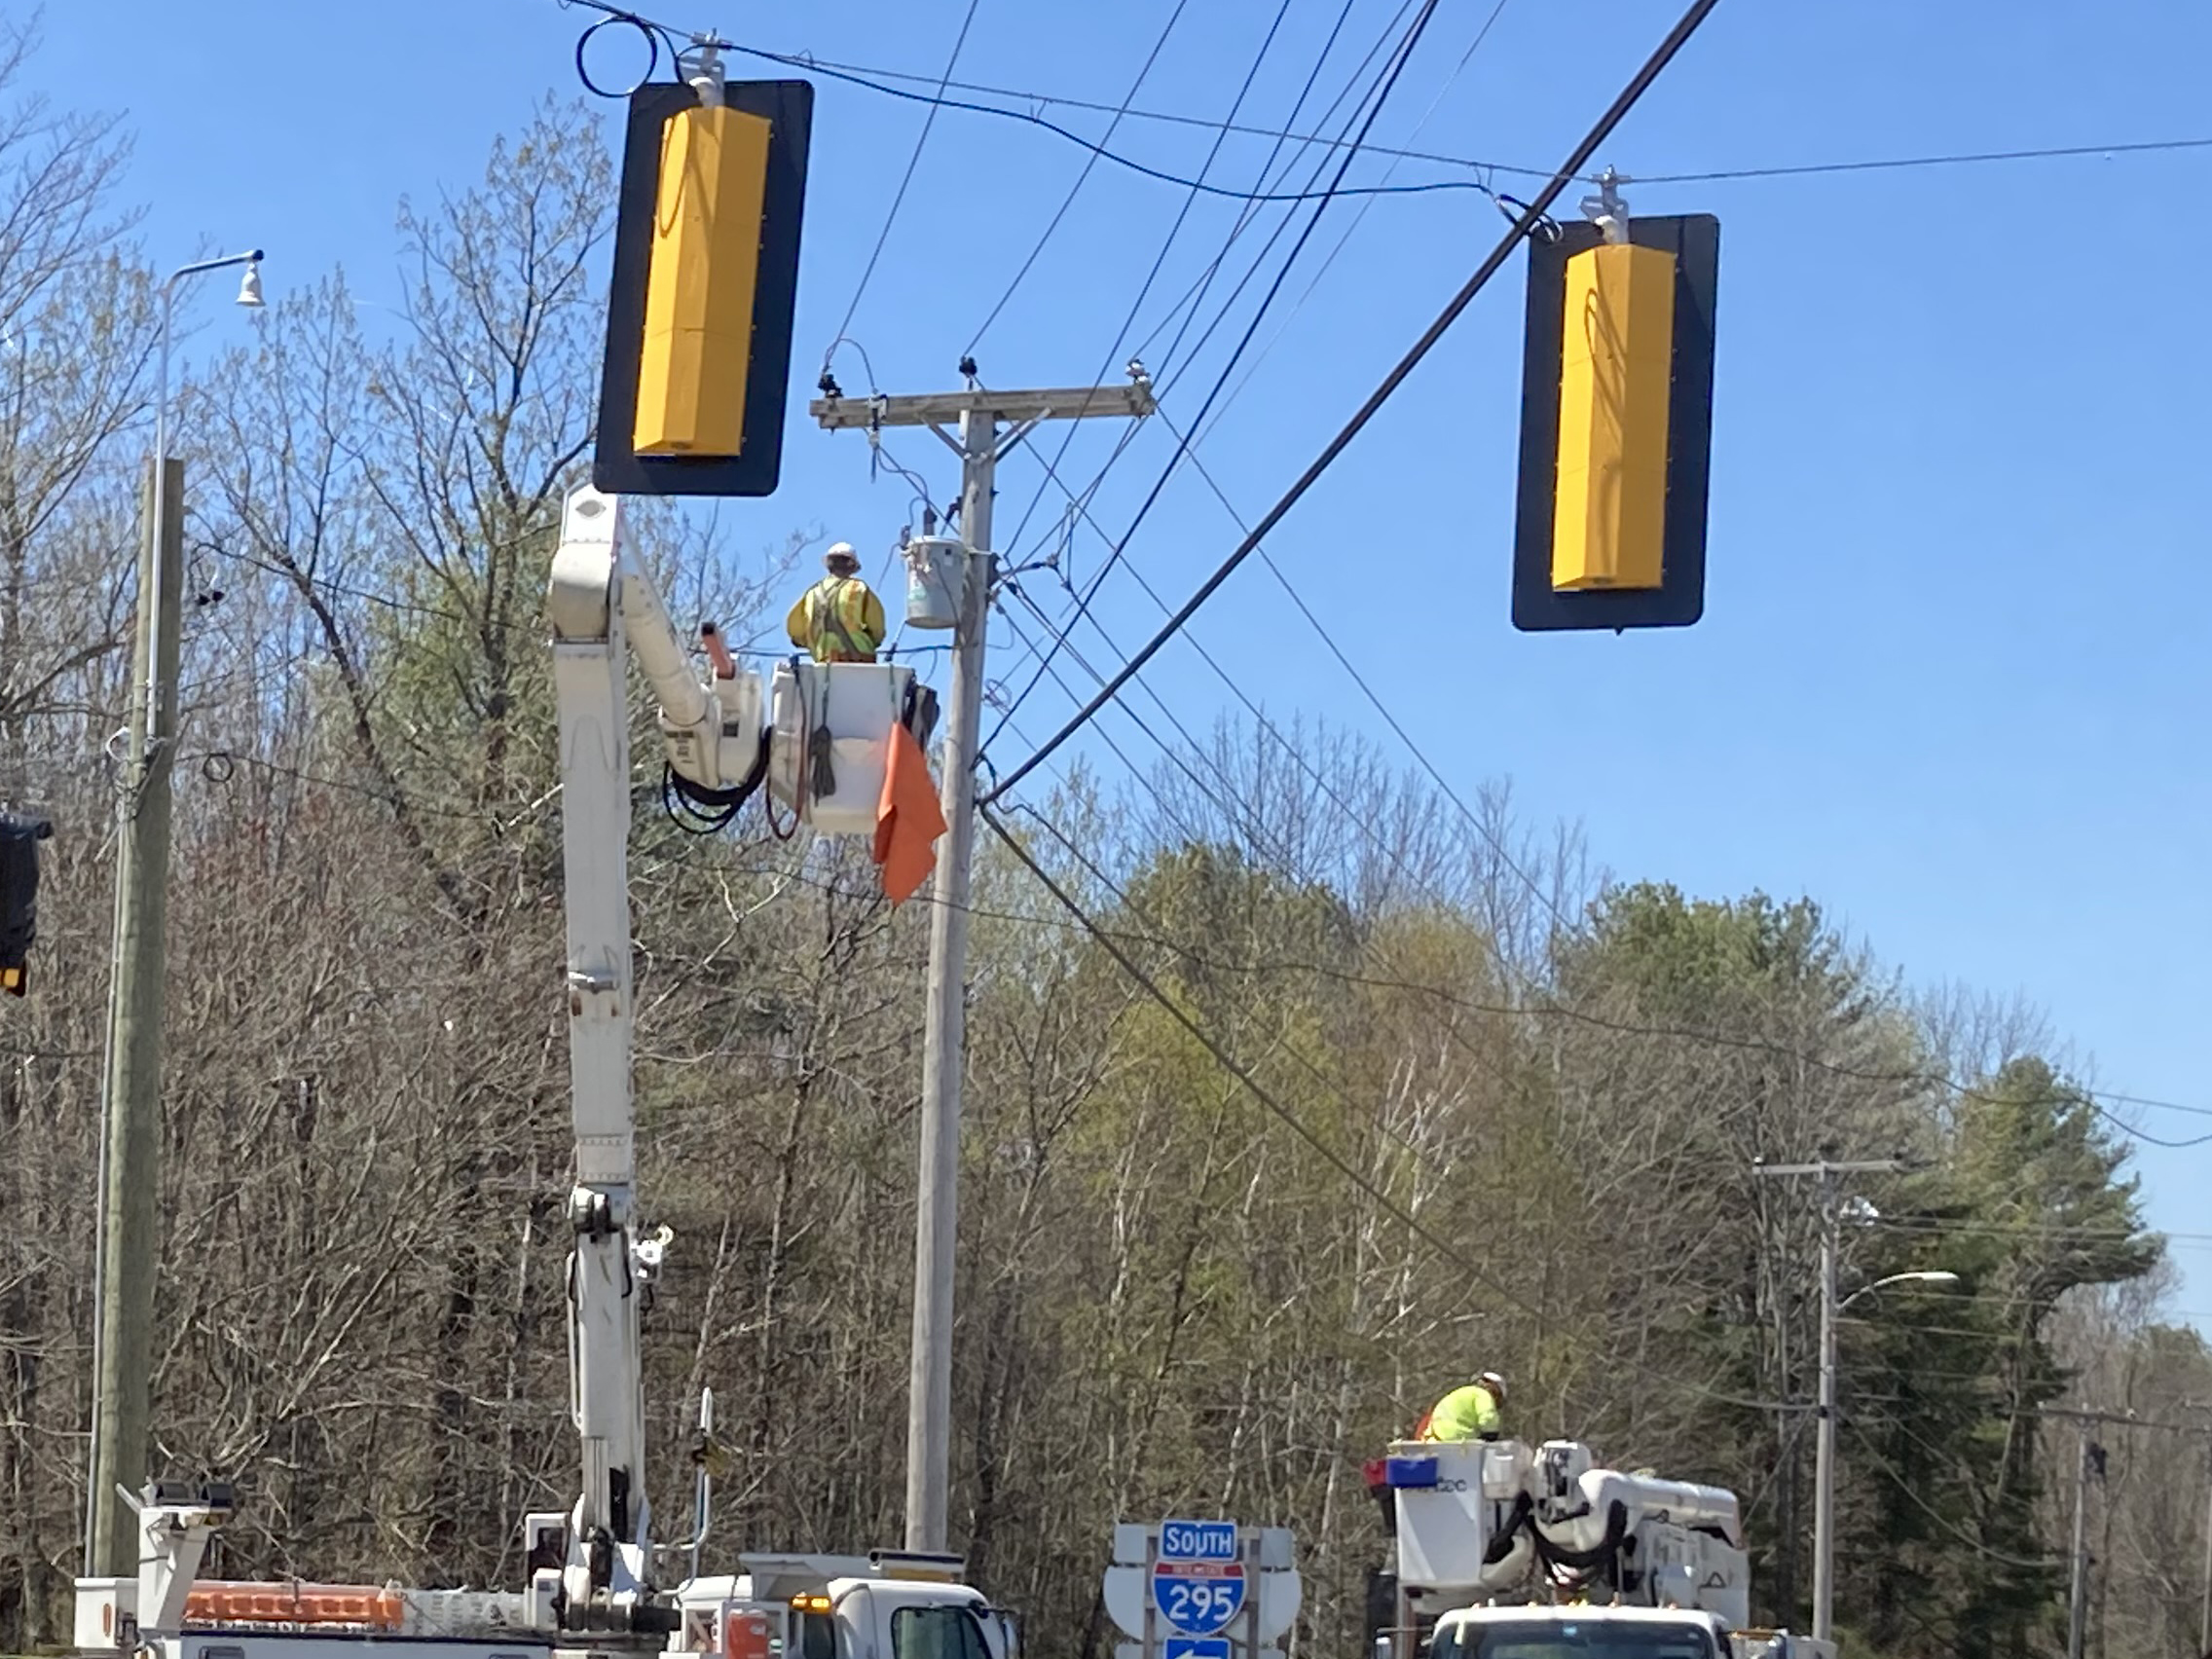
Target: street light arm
[253, 257]
[1925, 1276]
[193, 269]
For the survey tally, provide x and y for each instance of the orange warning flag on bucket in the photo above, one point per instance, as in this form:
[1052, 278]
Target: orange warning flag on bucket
[908, 819]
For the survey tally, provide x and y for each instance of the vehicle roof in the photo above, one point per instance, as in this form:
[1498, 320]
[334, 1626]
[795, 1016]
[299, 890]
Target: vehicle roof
[924, 1589]
[1575, 1613]
[742, 1586]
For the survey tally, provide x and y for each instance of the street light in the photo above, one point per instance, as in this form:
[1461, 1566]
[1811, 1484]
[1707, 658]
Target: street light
[125, 1223]
[1824, 1469]
[249, 295]
[1933, 1276]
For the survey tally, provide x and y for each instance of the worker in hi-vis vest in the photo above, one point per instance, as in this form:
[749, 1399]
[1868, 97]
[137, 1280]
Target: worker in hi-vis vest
[839, 619]
[1471, 1413]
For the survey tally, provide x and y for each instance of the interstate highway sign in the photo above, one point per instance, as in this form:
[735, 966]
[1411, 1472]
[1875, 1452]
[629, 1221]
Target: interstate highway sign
[1198, 1582]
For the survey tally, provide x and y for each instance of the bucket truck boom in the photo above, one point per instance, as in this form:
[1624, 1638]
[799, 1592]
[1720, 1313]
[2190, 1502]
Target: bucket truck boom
[603, 607]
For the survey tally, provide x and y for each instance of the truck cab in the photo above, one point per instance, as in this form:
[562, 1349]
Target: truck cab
[884, 1606]
[1582, 1631]
[1579, 1633]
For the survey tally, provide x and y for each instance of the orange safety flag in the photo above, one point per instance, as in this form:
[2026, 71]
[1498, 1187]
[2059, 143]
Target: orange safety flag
[908, 819]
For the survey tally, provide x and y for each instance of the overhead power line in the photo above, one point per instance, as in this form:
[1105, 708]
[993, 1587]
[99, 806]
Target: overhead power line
[1428, 187]
[1168, 366]
[1159, 263]
[1365, 207]
[1164, 370]
[867, 75]
[906, 178]
[1529, 218]
[1497, 844]
[2089, 1098]
[1811, 170]
[1394, 67]
[1171, 118]
[1533, 1009]
[1051, 225]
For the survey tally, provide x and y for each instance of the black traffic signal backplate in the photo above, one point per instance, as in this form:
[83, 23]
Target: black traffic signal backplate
[1694, 239]
[615, 468]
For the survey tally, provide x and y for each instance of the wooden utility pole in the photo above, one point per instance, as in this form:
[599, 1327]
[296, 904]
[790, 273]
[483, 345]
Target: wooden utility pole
[979, 415]
[132, 1120]
[2077, 1587]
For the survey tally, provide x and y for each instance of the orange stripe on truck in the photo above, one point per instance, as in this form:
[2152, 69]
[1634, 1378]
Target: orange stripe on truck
[358, 1605]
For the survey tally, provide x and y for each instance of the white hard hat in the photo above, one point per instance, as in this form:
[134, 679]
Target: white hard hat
[844, 548]
[1495, 1383]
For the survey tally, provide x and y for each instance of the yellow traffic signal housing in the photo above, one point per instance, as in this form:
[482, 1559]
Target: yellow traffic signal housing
[697, 364]
[702, 278]
[1615, 365]
[1616, 427]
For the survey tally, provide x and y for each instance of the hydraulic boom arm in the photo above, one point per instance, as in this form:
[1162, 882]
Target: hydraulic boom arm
[602, 604]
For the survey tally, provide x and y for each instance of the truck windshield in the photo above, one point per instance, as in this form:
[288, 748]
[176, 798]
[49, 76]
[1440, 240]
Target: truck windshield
[1557, 1639]
[938, 1633]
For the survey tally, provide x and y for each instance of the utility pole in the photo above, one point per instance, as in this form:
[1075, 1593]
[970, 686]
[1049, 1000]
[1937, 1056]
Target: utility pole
[2077, 1592]
[1825, 1172]
[979, 415]
[127, 1203]
[132, 1122]
[2094, 1463]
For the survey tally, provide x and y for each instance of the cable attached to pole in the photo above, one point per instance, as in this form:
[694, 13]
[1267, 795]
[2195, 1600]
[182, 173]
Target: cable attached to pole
[1531, 215]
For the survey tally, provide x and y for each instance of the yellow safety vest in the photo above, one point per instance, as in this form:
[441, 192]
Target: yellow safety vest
[1464, 1414]
[839, 620]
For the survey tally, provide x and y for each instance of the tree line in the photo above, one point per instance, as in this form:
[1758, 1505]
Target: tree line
[1490, 1107]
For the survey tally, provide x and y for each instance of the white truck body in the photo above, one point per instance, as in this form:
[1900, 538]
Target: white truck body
[782, 1608]
[1504, 1550]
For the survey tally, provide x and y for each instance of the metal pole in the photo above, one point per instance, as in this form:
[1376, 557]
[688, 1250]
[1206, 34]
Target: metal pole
[1824, 1472]
[929, 1427]
[129, 1209]
[1827, 1172]
[2077, 1595]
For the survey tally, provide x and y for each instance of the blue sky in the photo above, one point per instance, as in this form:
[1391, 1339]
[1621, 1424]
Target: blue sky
[1948, 680]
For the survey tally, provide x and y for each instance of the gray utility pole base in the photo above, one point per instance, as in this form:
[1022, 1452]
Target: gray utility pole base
[980, 444]
[131, 1125]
